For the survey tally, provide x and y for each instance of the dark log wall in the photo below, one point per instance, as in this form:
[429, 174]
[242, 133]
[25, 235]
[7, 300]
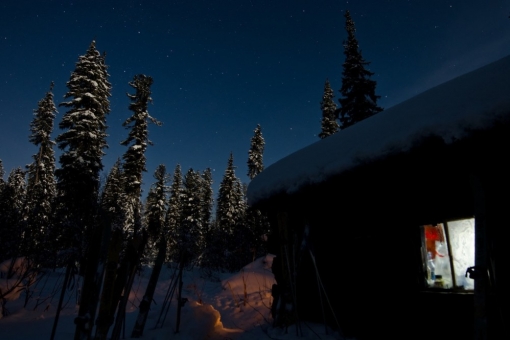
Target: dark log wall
[364, 234]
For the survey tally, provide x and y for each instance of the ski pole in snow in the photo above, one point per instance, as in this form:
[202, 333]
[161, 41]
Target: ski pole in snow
[168, 299]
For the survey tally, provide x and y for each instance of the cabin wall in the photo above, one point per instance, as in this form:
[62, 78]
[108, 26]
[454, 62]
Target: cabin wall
[374, 282]
[491, 184]
[364, 235]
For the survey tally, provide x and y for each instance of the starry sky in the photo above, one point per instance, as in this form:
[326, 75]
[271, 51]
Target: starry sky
[221, 67]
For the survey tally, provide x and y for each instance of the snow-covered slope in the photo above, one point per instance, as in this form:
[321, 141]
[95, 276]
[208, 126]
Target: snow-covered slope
[220, 306]
[473, 100]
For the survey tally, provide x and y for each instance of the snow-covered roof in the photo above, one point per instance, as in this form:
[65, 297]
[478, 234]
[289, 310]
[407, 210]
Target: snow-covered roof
[473, 100]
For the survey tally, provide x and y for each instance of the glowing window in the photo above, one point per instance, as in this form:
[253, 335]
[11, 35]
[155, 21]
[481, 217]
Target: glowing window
[448, 250]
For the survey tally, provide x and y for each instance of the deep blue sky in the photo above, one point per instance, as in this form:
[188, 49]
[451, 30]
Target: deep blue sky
[222, 67]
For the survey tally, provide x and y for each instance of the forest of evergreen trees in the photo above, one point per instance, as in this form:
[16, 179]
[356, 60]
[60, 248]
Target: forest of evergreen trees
[61, 216]
[64, 217]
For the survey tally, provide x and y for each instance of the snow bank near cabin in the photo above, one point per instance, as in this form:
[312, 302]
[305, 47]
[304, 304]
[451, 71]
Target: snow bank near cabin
[474, 100]
[254, 278]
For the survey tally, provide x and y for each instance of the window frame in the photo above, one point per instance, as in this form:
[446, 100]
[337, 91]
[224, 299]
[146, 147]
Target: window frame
[455, 287]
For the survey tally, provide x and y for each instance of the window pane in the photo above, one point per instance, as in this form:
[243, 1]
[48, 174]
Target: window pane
[439, 274]
[462, 243]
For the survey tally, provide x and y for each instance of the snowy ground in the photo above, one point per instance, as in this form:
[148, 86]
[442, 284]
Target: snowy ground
[216, 307]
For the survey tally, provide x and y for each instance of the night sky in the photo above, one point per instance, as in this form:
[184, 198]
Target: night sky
[222, 67]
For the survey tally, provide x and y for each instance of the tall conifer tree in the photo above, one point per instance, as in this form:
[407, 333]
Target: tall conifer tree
[113, 196]
[156, 206]
[82, 143]
[329, 125]
[12, 221]
[209, 252]
[255, 154]
[137, 140]
[229, 202]
[190, 231]
[41, 189]
[255, 223]
[358, 100]
[133, 168]
[174, 213]
[207, 197]
[230, 212]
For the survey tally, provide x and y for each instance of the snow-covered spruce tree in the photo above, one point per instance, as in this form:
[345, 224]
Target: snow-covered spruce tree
[358, 100]
[190, 232]
[242, 233]
[113, 196]
[329, 125]
[208, 254]
[207, 197]
[82, 144]
[188, 236]
[137, 142]
[155, 219]
[12, 214]
[174, 213]
[255, 154]
[230, 213]
[133, 167]
[41, 190]
[255, 223]
[227, 204]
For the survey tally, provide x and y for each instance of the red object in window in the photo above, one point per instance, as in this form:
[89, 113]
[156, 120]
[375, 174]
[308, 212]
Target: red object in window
[432, 233]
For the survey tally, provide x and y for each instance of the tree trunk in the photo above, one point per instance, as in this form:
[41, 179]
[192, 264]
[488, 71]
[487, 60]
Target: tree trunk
[149, 292]
[109, 297]
[92, 281]
[133, 258]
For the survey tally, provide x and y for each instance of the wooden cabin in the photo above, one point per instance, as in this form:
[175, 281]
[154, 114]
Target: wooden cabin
[397, 226]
